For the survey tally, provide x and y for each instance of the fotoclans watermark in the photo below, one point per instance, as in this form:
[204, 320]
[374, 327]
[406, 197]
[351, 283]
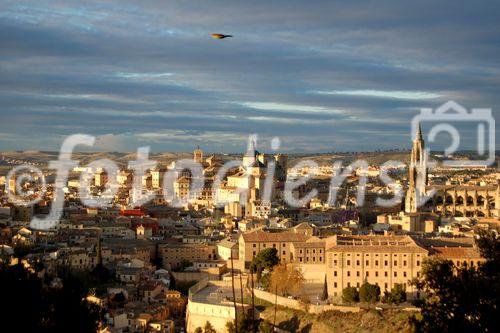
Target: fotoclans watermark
[257, 178]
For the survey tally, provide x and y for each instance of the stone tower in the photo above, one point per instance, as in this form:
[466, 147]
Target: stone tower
[198, 155]
[417, 174]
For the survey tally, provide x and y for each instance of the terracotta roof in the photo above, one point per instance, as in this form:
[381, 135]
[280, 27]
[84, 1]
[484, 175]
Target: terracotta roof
[227, 243]
[262, 236]
[456, 252]
[399, 244]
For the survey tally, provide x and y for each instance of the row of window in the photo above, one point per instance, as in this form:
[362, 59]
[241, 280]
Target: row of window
[367, 263]
[376, 274]
[386, 285]
[313, 259]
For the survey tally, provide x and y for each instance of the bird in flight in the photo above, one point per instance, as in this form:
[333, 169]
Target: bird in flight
[220, 36]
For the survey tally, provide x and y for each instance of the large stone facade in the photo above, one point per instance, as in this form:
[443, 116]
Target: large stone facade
[446, 200]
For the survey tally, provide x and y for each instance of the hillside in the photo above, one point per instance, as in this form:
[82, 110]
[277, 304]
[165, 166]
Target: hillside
[372, 321]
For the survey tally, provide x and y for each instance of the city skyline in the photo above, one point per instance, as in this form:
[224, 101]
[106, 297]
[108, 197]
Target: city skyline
[323, 77]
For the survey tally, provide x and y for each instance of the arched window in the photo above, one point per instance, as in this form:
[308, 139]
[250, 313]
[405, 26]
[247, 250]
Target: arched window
[449, 200]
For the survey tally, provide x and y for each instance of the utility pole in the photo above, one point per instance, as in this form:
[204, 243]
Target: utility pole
[234, 296]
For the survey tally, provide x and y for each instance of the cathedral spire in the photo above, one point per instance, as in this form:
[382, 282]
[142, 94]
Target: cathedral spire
[419, 133]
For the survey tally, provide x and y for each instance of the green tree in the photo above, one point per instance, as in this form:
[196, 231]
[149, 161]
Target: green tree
[265, 259]
[461, 299]
[198, 330]
[397, 295]
[369, 293]
[324, 294]
[350, 295]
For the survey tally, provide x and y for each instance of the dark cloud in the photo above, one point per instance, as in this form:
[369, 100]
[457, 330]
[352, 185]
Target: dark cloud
[148, 73]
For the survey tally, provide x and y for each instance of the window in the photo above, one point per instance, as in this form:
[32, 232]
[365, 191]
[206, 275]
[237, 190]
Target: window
[376, 274]
[367, 262]
[395, 262]
[395, 274]
[348, 262]
[348, 273]
[335, 262]
[385, 274]
[385, 285]
[357, 284]
[404, 262]
[404, 274]
[357, 262]
[376, 262]
[386, 263]
[284, 252]
[334, 273]
[418, 262]
[367, 274]
[357, 273]
[254, 245]
[348, 284]
[335, 285]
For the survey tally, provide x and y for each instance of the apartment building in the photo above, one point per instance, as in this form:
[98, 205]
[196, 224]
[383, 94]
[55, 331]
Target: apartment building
[174, 253]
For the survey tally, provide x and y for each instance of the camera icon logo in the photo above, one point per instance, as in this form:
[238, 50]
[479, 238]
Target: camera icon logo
[446, 118]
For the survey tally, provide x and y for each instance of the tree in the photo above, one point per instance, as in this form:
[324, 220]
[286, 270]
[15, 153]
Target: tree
[208, 328]
[265, 327]
[369, 293]
[286, 280]
[245, 324]
[324, 294]
[46, 309]
[397, 295]
[198, 330]
[461, 299]
[350, 295]
[265, 259]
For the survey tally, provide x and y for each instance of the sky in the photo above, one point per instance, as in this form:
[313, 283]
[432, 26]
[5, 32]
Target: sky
[321, 75]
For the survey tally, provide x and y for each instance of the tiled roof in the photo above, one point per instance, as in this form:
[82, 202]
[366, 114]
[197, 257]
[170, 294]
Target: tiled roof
[456, 252]
[399, 244]
[262, 236]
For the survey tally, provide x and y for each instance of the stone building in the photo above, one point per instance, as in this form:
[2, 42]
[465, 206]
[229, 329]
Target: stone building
[446, 200]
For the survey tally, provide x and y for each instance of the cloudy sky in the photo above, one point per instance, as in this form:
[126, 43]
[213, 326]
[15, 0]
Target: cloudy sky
[321, 75]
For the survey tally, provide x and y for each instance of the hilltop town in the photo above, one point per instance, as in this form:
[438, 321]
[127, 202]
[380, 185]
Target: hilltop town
[191, 260]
